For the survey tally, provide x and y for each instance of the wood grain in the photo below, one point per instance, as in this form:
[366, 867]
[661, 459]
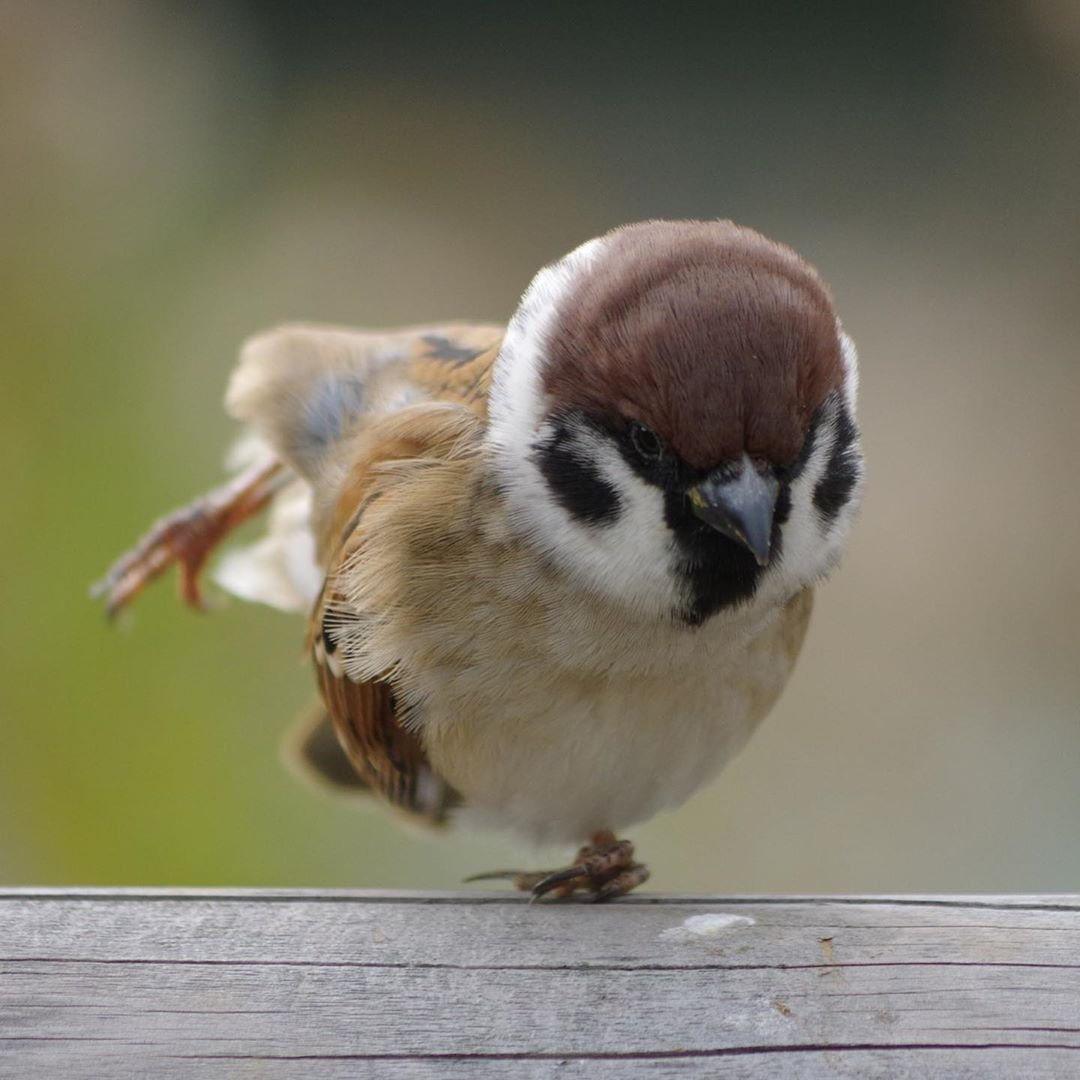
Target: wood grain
[334, 984]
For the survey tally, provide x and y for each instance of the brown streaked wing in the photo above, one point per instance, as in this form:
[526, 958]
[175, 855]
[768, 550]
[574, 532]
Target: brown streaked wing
[451, 363]
[386, 756]
[389, 757]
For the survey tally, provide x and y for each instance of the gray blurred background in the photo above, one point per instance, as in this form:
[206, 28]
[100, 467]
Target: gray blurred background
[175, 179]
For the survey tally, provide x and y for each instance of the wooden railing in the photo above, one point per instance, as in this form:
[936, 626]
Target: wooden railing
[161, 984]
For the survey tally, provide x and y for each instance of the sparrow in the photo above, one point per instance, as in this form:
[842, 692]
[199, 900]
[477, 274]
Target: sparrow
[555, 572]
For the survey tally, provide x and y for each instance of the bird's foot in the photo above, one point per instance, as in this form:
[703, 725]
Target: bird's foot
[187, 536]
[605, 868]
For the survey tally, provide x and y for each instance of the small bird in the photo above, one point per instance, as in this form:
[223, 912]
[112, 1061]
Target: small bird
[555, 573]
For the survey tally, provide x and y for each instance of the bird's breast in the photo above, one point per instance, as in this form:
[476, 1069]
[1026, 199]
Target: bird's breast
[554, 711]
[569, 720]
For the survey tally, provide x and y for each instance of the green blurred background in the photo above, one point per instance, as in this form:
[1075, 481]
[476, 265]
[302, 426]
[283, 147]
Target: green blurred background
[176, 177]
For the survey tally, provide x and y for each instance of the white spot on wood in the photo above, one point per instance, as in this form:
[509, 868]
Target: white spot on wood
[698, 927]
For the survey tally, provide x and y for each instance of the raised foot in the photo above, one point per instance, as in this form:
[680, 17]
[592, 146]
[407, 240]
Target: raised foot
[605, 868]
[187, 537]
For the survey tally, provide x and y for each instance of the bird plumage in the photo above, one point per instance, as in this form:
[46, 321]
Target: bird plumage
[527, 615]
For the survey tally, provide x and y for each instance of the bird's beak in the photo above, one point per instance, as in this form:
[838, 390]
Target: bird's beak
[740, 505]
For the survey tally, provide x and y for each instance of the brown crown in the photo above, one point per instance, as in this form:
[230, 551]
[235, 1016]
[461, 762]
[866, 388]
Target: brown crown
[718, 339]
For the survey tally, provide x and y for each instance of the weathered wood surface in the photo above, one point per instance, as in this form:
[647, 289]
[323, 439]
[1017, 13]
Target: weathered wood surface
[169, 984]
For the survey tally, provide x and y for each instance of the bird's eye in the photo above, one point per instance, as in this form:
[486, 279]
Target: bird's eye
[647, 444]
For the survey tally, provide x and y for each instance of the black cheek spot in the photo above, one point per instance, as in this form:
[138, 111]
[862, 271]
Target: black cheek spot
[577, 485]
[834, 489]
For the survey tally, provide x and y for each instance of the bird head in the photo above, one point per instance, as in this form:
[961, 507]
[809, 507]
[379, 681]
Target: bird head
[672, 419]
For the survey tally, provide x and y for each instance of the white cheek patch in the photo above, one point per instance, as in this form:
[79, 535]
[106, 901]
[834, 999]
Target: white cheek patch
[629, 559]
[633, 556]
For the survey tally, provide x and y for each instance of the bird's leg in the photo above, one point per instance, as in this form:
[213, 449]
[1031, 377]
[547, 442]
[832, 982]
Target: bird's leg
[188, 535]
[604, 867]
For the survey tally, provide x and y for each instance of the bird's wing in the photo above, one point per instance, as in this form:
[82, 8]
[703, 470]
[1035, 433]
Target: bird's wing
[305, 392]
[407, 487]
[303, 389]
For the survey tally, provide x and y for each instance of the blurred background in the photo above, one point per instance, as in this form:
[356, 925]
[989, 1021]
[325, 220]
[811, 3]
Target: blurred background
[176, 177]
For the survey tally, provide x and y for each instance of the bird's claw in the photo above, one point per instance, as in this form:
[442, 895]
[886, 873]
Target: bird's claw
[604, 868]
[186, 538]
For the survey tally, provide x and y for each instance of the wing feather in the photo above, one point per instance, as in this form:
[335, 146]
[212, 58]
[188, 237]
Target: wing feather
[304, 389]
[390, 468]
